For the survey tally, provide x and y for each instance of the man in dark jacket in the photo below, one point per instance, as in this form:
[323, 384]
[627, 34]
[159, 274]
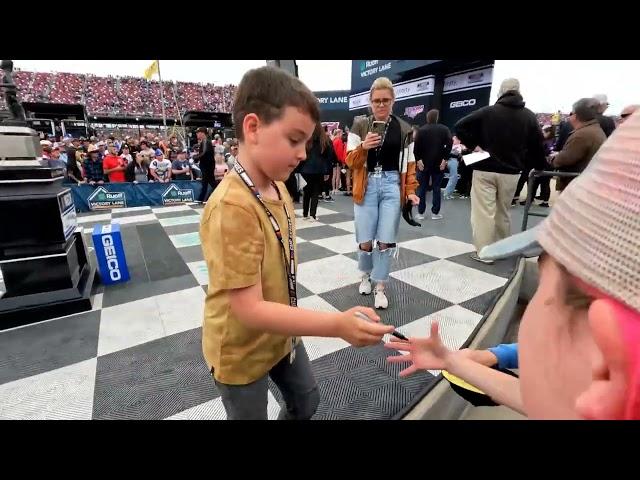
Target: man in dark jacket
[510, 133]
[205, 157]
[606, 123]
[431, 150]
[583, 143]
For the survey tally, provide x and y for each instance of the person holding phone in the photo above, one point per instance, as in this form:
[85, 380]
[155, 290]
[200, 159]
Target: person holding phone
[384, 178]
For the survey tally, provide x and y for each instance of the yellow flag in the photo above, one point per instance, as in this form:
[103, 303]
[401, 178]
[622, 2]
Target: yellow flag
[151, 70]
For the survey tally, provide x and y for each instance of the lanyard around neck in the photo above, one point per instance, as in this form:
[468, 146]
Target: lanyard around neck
[290, 263]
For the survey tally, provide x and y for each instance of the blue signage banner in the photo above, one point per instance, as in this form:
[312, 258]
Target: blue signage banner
[364, 72]
[122, 195]
[112, 262]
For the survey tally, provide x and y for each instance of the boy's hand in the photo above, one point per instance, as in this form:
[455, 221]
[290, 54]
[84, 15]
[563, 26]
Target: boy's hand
[359, 332]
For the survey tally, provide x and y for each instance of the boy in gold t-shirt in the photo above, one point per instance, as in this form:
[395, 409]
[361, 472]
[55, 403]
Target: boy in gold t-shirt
[252, 324]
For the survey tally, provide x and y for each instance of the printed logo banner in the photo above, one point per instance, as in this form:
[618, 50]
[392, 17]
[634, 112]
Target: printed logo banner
[468, 80]
[413, 112]
[403, 91]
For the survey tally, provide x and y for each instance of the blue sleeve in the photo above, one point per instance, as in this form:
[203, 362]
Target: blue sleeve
[507, 354]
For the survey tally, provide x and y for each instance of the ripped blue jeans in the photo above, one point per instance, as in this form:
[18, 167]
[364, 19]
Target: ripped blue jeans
[378, 218]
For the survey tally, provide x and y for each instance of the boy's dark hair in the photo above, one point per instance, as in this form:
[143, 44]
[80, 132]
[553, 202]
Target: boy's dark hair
[267, 91]
[202, 130]
[432, 116]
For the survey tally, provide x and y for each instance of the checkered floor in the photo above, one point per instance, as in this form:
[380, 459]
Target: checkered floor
[137, 354]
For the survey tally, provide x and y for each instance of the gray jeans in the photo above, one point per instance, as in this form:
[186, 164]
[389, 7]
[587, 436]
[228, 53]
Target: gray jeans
[294, 380]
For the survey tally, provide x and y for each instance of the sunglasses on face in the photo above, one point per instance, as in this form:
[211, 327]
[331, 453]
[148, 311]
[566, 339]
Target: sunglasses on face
[381, 102]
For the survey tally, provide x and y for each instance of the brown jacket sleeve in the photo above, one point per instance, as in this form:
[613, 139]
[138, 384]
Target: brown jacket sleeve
[356, 158]
[410, 183]
[573, 151]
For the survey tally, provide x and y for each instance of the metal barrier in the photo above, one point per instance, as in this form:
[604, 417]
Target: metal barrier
[533, 176]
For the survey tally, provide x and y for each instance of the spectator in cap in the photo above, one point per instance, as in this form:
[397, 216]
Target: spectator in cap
[606, 123]
[583, 143]
[579, 339]
[92, 167]
[160, 168]
[180, 168]
[510, 133]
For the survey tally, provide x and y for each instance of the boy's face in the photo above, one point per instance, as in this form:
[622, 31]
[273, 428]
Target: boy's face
[278, 148]
[557, 352]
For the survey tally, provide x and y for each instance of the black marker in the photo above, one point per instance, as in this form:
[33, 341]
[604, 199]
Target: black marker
[395, 333]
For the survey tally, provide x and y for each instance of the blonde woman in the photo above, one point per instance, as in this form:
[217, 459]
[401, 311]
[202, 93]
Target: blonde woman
[383, 178]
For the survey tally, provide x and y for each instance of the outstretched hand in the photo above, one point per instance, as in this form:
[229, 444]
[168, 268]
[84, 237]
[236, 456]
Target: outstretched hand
[423, 353]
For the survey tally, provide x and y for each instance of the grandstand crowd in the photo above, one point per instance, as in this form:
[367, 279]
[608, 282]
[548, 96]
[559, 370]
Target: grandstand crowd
[121, 96]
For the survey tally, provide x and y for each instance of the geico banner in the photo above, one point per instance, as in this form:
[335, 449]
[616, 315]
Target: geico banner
[404, 90]
[124, 195]
[468, 80]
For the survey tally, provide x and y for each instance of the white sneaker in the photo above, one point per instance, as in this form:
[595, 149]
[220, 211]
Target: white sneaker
[380, 300]
[420, 217]
[365, 286]
[313, 219]
[438, 216]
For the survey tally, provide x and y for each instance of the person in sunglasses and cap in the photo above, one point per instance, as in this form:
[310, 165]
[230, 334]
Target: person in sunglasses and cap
[579, 339]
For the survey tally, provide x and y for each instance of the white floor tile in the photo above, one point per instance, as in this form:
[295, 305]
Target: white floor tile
[62, 394]
[448, 280]
[320, 346]
[185, 239]
[316, 303]
[341, 244]
[149, 217]
[325, 274]
[300, 240]
[96, 301]
[181, 310]
[174, 208]
[199, 270]
[129, 324]
[100, 218]
[185, 220]
[133, 209]
[349, 226]
[319, 212]
[438, 246]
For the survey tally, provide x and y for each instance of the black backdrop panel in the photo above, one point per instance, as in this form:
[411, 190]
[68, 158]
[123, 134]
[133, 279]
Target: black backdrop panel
[465, 92]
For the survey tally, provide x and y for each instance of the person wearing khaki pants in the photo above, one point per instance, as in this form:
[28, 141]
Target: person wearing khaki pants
[510, 134]
[491, 195]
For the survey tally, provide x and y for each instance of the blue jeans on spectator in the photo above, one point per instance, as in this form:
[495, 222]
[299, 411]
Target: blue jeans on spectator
[378, 218]
[436, 181]
[453, 177]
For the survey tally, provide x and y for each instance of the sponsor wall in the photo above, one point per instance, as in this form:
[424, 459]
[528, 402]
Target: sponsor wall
[123, 195]
[334, 107]
[465, 92]
[413, 99]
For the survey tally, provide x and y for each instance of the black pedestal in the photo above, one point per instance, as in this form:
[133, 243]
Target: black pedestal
[48, 286]
[43, 257]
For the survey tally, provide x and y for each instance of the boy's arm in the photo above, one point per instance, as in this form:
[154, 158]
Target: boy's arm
[233, 247]
[250, 308]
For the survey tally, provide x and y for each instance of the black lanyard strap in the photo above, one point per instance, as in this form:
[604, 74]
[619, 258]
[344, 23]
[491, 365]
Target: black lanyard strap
[290, 263]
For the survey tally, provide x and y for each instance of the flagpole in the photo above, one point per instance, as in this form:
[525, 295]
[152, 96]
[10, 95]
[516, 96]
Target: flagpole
[164, 117]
